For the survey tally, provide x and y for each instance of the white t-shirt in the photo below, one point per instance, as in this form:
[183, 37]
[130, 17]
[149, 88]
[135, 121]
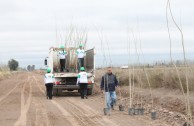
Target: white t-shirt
[80, 53]
[82, 77]
[62, 54]
[49, 78]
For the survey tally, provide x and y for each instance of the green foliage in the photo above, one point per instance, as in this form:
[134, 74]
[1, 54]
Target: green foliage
[13, 64]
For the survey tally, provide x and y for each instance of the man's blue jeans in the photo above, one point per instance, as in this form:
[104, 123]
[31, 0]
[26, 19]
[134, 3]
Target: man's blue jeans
[110, 98]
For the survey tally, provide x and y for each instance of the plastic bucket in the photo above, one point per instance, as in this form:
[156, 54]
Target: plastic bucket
[153, 115]
[136, 111]
[121, 108]
[141, 111]
[131, 111]
[185, 124]
[106, 111]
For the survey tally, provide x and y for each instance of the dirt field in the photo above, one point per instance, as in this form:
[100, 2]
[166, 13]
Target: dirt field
[23, 103]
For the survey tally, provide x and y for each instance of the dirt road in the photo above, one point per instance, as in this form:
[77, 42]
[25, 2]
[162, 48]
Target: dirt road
[23, 103]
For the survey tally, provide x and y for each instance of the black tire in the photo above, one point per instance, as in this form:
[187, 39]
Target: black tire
[70, 90]
[59, 92]
[54, 92]
[89, 92]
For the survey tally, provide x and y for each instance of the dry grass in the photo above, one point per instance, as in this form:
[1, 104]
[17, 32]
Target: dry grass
[159, 77]
[167, 95]
[4, 72]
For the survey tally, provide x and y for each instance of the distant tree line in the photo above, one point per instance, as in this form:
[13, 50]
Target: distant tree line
[31, 67]
[177, 62]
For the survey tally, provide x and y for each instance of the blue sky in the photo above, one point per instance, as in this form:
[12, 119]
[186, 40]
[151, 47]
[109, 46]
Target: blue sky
[28, 28]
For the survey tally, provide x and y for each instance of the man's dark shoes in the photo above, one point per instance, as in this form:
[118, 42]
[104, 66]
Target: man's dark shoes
[112, 107]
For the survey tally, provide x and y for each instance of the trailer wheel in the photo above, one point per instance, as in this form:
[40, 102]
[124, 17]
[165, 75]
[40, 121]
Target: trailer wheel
[89, 92]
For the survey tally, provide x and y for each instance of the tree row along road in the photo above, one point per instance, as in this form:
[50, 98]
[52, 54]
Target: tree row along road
[23, 103]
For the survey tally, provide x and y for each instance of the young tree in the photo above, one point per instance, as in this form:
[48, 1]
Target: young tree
[13, 64]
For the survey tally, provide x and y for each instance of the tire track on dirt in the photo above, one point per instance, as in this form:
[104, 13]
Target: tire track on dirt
[91, 113]
[87, 114]
[64, 112]
[10, 100]
[41, 112]
[71, 117]
[22, 120]
[6, 95]
[96, 100]
[66, 115]
[85, 119]
[81, 118]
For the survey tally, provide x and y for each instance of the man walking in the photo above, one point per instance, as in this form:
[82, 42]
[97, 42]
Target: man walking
[49, 81]
[80, 55]
[109, 83]
[82, 80]
[62, 55]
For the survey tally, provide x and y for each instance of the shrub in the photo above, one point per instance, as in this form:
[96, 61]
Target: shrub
[13, 64]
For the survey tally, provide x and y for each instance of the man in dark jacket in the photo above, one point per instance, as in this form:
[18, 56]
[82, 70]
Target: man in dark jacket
[109, 83]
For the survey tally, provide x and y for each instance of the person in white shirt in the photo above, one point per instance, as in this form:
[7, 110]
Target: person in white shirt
[49, 81]
[82, 80]
[62, 56]
[80, 55]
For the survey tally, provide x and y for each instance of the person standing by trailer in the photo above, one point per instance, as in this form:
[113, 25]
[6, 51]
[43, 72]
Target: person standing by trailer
[80, 55]
[82, 80]
[109, 83]
[49, 81]
[62, 56]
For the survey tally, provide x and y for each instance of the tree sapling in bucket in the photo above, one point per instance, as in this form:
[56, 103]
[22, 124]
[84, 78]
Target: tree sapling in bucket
[153, 115]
